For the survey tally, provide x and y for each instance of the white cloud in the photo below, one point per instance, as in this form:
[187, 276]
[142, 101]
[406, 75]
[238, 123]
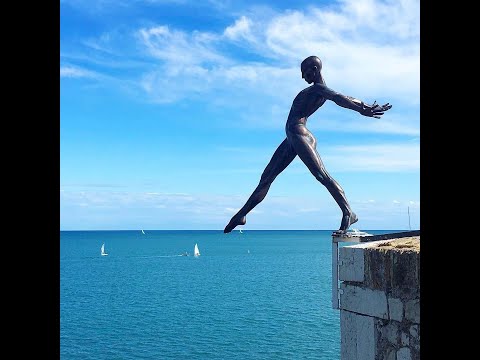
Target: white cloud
[365, 158]
[76, 72]
[180, 48]
[241, 29]
[381, 158]
[337, 119]
[398, 18]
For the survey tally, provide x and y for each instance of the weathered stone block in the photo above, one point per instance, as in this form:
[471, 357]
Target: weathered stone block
[351, 263]
[363, 301]
[404, 354]
[365, 337]
[390, 332]
[390, 354]
[377, 269]
[412, 311]
[357, 336]
[404, 275]
[415, 341]
[348, 336]
[414, 331]
[395, 309]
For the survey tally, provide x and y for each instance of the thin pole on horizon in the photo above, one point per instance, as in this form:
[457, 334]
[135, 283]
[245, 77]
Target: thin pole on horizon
[409, 227]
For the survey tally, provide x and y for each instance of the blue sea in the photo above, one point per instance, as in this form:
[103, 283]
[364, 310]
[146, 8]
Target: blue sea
[251, 295]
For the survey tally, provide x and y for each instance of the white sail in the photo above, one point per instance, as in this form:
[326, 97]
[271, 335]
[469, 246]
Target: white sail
[196, 252]
[143, 232]
[102, 250]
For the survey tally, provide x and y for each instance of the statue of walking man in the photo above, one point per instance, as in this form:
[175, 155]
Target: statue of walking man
[300, 141]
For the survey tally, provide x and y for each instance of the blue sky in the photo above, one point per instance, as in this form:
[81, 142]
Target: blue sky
[170, 110]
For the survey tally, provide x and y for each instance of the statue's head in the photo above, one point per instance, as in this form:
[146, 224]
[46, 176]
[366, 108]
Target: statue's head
[311, 68]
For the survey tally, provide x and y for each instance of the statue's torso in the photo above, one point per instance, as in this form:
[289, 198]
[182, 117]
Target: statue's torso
[305, 104]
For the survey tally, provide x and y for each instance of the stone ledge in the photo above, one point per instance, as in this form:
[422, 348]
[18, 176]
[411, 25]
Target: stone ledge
[392, 266]
[380, 290]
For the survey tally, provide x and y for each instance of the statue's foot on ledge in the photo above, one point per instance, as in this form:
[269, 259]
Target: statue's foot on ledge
[347, 220]
[234, 222]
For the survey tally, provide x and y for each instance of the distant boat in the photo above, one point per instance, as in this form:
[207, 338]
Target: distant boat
[196, 252]
[102, 250]
[240, 230]
[357, 233]
[143, 232]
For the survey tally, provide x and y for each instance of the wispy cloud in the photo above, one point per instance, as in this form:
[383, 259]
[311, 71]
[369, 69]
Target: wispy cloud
[133, 210]
[365, 158]
[378, 158]
[180, 48]
[125, 198]
[76, 72]
[240, 30]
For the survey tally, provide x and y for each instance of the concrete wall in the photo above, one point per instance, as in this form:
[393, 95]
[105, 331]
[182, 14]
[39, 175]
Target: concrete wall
[380, 300]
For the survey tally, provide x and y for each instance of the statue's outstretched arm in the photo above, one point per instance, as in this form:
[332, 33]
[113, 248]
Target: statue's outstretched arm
[351, 103]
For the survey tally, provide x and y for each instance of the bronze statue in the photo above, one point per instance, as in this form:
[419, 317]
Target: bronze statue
[300, 141]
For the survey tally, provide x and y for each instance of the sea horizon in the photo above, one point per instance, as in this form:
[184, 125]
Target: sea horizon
[234, 230]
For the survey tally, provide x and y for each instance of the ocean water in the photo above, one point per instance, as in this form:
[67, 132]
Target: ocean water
[251, 295]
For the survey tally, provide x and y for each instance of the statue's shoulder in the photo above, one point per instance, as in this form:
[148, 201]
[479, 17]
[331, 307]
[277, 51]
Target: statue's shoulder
[301, 93]
[318, 86]
[314, 89]
[307, 90]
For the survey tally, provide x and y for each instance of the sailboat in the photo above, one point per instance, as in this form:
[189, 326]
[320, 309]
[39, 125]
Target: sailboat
[196, 252]
[240, 230]
[102, 250]
[143, 232]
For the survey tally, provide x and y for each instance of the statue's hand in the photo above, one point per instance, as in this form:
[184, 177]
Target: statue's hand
[375, 110]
